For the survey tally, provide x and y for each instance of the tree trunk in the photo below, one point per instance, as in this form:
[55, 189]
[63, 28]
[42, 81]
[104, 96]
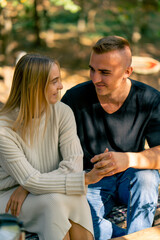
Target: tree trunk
[91, 20]
[81, 26]
[5, 33]
[36, 23]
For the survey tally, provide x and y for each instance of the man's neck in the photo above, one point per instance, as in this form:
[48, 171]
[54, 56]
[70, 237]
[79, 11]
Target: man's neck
[113, 101]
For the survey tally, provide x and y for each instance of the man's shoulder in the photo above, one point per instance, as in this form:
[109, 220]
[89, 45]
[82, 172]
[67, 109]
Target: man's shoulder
[144, 86]
[80, 94]
[145, 89]
[82, 87]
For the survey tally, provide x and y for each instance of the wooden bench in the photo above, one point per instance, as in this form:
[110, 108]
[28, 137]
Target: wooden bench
[146, 234]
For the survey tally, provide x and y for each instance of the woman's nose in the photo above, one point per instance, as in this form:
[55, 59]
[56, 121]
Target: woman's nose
[60, 86]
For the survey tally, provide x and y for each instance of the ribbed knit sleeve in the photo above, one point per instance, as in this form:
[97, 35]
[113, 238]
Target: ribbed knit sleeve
[28, 168]
[70, 149]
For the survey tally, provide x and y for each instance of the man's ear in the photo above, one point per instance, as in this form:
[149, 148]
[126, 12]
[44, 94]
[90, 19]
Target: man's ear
[128, 72]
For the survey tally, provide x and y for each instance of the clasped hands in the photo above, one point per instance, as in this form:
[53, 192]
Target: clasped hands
[106, 164]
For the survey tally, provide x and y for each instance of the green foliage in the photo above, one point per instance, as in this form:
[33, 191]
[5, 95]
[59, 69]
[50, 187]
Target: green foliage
[3, 3]
[68, 5]
[64, 17]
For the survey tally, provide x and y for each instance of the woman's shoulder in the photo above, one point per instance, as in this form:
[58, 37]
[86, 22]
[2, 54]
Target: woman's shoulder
[9, 116]
[63, 108]
[62, 113]
[6, 122]
[6, 130]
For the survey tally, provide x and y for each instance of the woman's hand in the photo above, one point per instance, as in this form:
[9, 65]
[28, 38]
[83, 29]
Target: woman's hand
[16, 200]
[97, 173]
[107, 164]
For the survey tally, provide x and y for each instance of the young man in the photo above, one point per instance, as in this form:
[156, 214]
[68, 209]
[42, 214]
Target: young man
[115, 115]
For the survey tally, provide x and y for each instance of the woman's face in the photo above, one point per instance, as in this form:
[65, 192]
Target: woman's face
[54, 85]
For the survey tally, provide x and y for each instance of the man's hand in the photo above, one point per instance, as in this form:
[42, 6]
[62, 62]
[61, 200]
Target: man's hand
[16, 200]
[107, 164]
[111, 162]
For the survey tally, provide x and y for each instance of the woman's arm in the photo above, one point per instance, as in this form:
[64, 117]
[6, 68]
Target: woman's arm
[15, 163]
[68, 178]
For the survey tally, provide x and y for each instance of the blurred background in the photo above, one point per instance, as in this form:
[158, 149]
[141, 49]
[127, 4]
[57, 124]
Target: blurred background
[67, 29]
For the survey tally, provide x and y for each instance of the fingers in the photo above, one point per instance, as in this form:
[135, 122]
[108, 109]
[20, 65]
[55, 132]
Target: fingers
[14, 206]
[105, 172]
[104, 164]
[106, 167]
[96, 174]
[102, 156]
[18, 209]
[106, 150]
[8, 206]
[16, 201]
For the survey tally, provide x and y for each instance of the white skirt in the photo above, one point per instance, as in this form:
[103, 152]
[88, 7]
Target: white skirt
[48, 214]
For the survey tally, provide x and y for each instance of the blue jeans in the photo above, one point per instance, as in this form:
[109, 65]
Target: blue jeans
[137, 189]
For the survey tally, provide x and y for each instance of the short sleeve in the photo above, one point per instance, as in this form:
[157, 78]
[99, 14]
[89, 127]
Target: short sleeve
[153, 127]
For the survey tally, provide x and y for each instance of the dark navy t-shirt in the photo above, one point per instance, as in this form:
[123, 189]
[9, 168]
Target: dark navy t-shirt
[122, 131]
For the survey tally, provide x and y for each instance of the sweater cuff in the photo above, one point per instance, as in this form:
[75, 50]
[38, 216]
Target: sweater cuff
[75, 184]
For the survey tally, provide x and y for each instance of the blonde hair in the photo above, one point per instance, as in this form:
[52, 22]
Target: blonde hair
[28, 93]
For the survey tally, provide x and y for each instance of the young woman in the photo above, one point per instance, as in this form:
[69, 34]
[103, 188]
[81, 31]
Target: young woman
[41, 177]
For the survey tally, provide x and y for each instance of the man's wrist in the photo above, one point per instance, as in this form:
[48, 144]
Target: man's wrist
[132, 159]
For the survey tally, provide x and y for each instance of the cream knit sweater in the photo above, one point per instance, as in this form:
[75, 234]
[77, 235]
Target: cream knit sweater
[52, 165]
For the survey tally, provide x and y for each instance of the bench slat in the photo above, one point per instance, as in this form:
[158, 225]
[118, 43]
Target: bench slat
[146, 234]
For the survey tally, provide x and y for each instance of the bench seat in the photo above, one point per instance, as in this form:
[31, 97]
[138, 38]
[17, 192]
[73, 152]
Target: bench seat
[117, 216]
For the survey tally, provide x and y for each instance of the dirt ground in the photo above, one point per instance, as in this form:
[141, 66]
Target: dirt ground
[73, 54]
[74, 60]
[69, 80]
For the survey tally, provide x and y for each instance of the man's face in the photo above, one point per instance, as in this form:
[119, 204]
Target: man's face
[108, 71]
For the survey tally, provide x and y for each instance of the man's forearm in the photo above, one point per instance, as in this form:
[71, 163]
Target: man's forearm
[147, 159]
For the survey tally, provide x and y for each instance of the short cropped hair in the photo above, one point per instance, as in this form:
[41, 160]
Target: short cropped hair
[110, 43]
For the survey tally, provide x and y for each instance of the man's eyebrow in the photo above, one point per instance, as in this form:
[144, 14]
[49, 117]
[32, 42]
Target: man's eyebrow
[90, 66]
[102, 70]
[105, 70]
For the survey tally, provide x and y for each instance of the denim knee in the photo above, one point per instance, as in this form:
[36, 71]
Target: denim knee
[146, 180]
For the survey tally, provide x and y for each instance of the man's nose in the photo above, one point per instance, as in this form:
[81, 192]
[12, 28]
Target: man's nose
[95, 77]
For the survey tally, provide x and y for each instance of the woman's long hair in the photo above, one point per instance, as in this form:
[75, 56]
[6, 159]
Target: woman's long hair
[28, 93]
